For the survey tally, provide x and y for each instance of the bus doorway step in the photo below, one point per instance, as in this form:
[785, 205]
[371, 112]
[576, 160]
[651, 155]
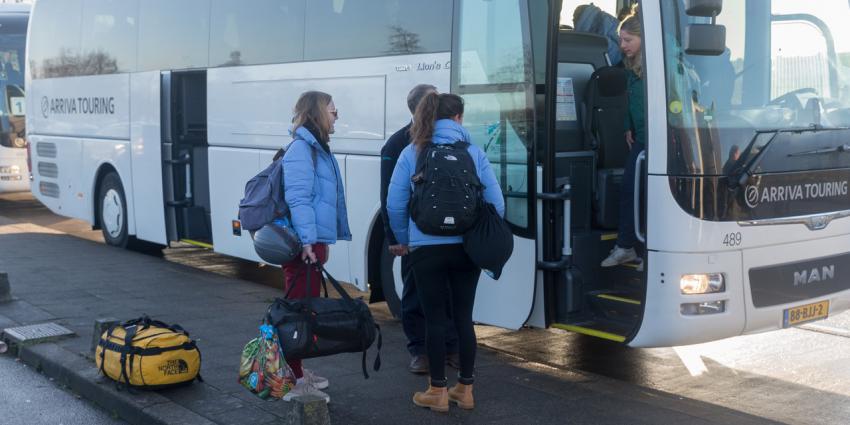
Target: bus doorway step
[599, 328]
[616, 305]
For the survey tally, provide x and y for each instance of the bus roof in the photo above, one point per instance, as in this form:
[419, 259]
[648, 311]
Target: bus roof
[15, 8]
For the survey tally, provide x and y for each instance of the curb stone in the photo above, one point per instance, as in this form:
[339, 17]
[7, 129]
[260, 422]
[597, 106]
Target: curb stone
[143, 407]
[78, 374]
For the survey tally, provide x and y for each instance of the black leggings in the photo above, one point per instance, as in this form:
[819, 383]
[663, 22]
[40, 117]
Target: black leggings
[439, 269]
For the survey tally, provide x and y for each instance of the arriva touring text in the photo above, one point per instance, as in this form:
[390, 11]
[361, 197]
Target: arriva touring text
[82, 105]
[803, 191]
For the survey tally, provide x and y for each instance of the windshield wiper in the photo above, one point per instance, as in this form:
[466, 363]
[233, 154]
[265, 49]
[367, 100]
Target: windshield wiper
[837, 149]
[739, 175]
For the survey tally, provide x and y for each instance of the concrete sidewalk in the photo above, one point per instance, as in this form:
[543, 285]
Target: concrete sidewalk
[57, 277]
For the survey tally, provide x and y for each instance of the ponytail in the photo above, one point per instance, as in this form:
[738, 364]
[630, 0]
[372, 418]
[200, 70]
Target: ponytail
[431, 108]
[422, 129]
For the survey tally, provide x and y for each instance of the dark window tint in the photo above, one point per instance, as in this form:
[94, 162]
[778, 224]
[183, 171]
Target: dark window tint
[13, 38]
[173, 34]
[13, 41]
[363, 28]
[109, 32]
[269, 31]
[55, 42]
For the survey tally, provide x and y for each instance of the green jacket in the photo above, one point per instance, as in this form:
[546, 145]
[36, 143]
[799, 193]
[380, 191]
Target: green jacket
[636, 118]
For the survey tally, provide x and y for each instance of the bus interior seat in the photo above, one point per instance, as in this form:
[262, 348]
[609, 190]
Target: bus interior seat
[579, 55]
[607, 106]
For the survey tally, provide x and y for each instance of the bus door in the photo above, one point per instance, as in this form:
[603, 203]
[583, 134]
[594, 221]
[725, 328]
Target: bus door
[584, 157]
[185, 164]
[491, 70]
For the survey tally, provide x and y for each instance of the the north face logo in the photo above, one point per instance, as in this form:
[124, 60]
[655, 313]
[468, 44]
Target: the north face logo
[174, 367]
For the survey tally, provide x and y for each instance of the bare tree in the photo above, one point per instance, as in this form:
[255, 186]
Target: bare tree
[70, 64]
[403, 41]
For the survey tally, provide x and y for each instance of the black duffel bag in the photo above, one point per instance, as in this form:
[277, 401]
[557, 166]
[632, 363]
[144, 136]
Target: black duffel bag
[490, 242]
[320, 326]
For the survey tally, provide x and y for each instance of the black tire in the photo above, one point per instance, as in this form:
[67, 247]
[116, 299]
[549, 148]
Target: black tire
[388, 281]
[112, 211]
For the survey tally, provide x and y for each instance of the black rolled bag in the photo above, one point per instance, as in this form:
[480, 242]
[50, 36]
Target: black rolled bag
[276, 244]
[321, 326]
[490, 242]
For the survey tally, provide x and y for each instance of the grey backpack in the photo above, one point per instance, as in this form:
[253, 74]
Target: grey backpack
[264, 197]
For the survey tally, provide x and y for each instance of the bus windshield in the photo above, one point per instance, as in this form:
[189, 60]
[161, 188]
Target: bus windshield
[13, 34]
[786, 66]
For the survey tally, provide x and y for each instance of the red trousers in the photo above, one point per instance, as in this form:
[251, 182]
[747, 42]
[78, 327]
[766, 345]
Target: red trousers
[295, 277]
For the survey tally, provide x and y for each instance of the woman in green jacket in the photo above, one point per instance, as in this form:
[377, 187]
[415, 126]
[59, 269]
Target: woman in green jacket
[631, 37]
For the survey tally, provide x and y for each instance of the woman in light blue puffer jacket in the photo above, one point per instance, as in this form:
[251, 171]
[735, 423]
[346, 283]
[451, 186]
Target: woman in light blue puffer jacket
[440, 264]
[314, 192]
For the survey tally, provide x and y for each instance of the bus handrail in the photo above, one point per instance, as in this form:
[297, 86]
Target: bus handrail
[638, 165]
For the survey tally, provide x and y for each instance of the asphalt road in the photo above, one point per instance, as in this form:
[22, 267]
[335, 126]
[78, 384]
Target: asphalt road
[27, 397]
[797, 376]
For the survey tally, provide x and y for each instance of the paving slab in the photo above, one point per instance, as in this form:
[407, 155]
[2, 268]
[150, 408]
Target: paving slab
[223, 314]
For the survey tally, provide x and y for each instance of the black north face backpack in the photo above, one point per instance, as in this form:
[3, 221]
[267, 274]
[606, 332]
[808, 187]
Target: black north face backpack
[447, 195]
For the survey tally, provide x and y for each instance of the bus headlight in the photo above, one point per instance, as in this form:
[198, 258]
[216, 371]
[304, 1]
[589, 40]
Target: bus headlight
[705, 283]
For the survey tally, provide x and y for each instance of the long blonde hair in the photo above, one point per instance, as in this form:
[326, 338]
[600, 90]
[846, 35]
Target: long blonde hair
[311, 112]
[632, 26]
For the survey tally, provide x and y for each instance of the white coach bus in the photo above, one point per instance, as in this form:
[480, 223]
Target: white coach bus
[13, 153]
[148, 117]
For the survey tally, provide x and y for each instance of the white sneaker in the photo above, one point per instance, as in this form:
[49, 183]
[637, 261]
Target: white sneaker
[317, 381]
[302, 387]
[620, 256]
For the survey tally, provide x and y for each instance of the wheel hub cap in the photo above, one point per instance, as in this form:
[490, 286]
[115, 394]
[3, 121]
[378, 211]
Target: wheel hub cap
[113, 213]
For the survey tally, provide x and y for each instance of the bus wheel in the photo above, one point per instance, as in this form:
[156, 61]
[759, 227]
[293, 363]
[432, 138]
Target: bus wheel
[113, 211]
[388, 280]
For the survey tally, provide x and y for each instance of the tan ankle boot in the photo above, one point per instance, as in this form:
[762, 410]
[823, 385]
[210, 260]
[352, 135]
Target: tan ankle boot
[436, 398]
[462, 395]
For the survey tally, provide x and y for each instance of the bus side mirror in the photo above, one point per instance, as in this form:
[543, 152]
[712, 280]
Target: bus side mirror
[706, 8]
[705, 39]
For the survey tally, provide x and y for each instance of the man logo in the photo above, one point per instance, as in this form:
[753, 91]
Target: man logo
[814, 275]
[751, 196]
[45, 106]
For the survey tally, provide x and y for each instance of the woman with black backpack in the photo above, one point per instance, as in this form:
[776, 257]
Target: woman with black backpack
[314, 191]
[438, 260]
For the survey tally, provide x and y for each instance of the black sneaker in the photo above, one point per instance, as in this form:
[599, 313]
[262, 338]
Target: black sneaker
[418, 365]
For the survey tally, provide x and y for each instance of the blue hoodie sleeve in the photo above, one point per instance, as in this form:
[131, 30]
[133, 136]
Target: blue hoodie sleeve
[492, 191]
[398, 196]
[298, 179]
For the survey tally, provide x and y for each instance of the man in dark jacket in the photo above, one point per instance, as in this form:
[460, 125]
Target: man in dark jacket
[412, 317]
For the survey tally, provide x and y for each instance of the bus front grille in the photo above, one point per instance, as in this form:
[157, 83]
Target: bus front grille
[49, 189]
[46, 149]
[48, 169]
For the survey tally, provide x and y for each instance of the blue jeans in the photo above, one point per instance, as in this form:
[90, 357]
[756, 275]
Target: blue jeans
[413, 318]
[626, 230]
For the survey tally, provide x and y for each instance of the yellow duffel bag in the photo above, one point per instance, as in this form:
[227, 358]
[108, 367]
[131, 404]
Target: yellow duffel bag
[148, 354]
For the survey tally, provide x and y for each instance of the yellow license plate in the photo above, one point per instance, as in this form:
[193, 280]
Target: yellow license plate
[805, 313]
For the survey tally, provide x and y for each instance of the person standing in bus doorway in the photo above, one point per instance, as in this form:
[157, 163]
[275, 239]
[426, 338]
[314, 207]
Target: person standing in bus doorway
[314, 191]
[412, 317]
[439, 263]
[631, 35]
